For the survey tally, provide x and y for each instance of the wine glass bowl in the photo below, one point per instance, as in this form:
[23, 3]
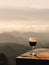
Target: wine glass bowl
[32, 41]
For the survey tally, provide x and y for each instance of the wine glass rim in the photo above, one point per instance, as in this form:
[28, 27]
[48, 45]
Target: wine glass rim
[32, 39]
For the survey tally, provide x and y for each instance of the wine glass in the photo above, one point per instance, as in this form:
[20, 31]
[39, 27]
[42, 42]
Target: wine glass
[32, 43]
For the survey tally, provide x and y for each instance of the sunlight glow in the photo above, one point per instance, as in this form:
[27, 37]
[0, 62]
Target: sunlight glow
[5, 26]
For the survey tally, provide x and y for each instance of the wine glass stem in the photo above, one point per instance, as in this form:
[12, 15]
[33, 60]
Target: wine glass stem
[33, 47]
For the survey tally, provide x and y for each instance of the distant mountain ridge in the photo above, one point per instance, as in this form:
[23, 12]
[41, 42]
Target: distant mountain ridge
[22, 37]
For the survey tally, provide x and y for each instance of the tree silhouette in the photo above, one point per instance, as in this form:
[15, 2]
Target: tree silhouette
[3, 59]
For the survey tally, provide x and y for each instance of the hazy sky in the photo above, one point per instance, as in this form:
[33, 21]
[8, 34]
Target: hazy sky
[25, 3]
[24, 15]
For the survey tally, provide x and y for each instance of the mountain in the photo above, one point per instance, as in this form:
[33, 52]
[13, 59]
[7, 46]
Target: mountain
[43, 38]
[22, 38]
[7, 37]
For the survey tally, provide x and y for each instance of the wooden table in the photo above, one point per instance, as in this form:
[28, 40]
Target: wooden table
[39, 59]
